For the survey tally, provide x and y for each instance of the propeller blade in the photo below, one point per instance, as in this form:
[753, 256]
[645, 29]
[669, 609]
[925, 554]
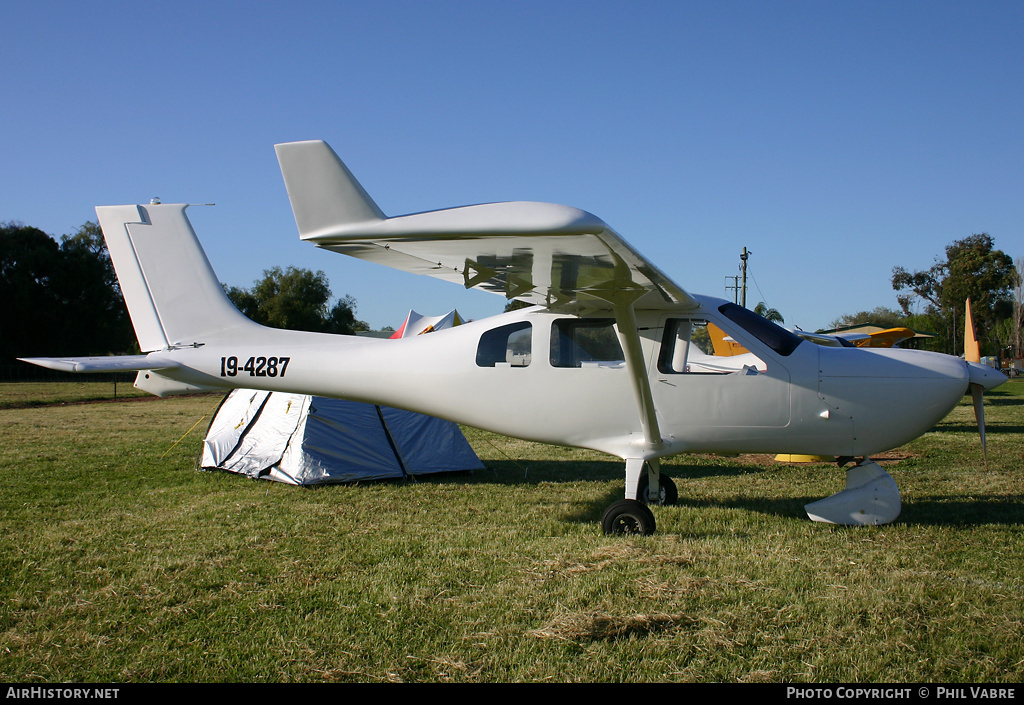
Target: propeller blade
[981, 377]
[978, 394]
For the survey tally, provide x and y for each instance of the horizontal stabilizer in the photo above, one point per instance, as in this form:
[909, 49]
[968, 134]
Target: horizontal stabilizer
[106, 363]
[323, 192]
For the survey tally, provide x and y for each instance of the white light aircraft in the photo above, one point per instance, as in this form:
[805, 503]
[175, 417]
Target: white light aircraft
[604, 359]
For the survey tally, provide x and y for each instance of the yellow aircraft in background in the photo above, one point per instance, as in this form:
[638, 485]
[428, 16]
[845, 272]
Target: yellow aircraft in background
[725, 346]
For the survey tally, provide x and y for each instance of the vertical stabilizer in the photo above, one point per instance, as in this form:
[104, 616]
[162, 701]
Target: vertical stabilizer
[172, 293]
[323, 192]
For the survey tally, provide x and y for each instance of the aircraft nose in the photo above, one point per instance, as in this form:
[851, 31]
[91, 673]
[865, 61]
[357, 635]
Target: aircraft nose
[984, 375]
[894, 395]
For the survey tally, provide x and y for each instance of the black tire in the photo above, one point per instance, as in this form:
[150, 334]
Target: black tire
[668, 495]
[627, 516]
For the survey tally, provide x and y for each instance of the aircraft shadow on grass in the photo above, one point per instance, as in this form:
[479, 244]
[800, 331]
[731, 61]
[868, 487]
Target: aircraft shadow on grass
[509, 472]
[1001, 398]
[965, 510]
[991, 428]
[958, 510]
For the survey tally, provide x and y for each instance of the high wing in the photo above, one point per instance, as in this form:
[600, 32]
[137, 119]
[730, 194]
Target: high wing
[560, 257]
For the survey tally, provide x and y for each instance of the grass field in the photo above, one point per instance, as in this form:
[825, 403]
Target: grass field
[119, 561]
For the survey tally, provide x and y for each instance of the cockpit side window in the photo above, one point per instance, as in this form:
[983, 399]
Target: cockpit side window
[675, 347]
[506, 346]
[696, 346]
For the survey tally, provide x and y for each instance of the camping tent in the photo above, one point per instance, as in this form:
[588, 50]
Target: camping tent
[415, 324]
[306, 440]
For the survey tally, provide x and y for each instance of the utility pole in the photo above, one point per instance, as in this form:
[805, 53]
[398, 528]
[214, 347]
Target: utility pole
[743, 258]
[734, 287]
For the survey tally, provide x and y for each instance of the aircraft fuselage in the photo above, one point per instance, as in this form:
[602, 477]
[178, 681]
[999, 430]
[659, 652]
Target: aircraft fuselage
[517, 374]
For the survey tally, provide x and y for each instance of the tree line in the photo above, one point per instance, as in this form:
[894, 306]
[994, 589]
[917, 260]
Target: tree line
[296, 299]
[61, 297]
[934, 300]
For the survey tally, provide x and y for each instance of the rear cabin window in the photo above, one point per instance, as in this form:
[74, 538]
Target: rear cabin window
[585, 342]
[506, 346]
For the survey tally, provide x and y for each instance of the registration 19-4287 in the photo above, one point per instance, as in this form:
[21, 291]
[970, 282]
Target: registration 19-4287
[255, 366]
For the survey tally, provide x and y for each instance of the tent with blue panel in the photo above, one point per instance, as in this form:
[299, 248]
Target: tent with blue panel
[307, 440]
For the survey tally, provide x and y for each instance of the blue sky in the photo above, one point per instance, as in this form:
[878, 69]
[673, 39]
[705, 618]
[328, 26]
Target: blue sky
[833, 139]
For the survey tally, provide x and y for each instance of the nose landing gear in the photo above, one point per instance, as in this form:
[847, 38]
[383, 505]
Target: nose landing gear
[871, 498]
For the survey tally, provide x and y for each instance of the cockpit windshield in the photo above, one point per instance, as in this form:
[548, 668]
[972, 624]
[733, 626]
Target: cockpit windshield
[775, 337]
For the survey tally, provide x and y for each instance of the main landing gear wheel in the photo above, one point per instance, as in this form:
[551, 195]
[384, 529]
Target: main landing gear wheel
[628, 516]
[667, 493]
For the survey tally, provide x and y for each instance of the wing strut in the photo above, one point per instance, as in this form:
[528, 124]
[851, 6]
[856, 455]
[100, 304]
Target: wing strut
[622, 302]
[629, 339]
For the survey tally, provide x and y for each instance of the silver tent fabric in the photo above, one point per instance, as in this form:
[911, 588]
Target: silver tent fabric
[303, 440]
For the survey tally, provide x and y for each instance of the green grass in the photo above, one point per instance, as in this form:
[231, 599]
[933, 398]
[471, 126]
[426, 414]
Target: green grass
[119, 561]
[21, 394]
